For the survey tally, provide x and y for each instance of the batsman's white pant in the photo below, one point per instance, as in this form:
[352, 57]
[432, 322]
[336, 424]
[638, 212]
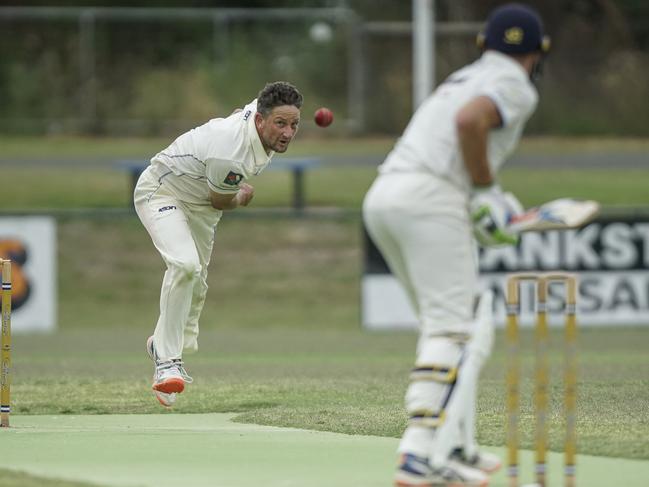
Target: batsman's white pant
[183, 233]
[421, 226]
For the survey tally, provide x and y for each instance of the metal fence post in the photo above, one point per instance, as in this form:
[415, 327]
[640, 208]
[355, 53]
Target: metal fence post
[87, 72]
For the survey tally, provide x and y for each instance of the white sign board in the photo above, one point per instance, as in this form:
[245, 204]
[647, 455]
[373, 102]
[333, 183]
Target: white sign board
[609, 257]
[30, 244]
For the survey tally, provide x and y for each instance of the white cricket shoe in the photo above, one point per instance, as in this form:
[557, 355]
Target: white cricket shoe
[168, 378]
[414, 471]
[482, 460]
[167, 400]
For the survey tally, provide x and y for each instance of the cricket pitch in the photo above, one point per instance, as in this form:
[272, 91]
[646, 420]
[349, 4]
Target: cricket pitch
[200, 450]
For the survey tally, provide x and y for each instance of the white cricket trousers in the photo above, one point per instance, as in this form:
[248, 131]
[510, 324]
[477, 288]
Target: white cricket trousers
[183, 233]
[421, 226]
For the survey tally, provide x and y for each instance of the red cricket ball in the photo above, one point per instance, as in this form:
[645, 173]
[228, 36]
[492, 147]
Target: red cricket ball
[323, 117]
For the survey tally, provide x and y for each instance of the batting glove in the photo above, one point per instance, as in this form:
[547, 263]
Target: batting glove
[491, 210]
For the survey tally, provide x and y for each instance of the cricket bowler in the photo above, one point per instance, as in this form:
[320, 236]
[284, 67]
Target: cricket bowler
[180, 198]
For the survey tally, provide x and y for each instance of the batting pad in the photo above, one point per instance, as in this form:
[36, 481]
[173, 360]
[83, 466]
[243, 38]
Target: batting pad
[432, 380]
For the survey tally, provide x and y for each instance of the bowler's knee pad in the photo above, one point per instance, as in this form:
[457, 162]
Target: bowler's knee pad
[432, 380]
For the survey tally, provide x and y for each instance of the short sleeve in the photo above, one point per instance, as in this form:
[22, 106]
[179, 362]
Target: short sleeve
[515, 99]
[224, 176]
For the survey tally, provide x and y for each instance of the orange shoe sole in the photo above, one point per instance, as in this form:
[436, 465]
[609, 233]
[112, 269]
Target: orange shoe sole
[170, 385]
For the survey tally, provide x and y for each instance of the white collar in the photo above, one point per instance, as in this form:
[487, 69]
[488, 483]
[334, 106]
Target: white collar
[261, 157]
[496, 56]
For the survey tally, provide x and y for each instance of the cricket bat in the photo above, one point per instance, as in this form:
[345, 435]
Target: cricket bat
[560, 214]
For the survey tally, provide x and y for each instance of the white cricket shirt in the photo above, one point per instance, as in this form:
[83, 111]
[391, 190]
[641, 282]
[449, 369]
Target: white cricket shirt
[217, 155]
[430, 142]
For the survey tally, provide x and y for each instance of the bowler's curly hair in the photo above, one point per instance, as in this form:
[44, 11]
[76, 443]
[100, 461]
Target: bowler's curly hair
[277, 94]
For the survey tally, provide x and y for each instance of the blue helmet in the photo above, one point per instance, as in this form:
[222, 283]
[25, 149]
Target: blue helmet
[514, 29]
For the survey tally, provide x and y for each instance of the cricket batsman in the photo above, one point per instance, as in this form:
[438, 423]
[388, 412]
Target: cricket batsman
[436, 193]
[180, 198]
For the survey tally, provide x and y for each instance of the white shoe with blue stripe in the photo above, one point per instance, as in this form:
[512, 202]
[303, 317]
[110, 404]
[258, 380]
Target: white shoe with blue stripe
[414, 471]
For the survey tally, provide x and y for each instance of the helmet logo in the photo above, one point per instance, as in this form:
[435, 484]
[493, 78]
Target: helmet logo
[513, 35]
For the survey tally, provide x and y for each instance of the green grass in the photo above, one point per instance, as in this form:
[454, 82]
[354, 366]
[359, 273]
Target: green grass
[263, 272]
[55, 187]
[281, 340]
[341, 380]
[101, 184]
[572, 145]
[344, 187]
[25, 147]
[10, 478]
[30, 147]
[611, 188]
